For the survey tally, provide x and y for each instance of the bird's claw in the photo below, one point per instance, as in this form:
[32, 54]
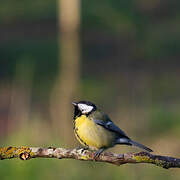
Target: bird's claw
[98, 153]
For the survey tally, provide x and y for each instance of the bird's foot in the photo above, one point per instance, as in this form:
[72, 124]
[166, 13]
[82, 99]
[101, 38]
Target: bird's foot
[97, 153]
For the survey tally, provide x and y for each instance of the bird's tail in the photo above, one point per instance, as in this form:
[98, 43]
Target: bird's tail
[133, 143]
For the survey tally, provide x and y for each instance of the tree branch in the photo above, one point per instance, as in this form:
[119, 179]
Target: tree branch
[26, 153]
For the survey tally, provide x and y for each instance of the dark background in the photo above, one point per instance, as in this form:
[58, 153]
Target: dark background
[122, 55]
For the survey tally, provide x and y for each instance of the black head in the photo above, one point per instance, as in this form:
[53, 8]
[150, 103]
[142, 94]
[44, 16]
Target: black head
[83, 107]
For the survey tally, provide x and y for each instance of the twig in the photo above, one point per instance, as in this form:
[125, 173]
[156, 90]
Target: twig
[26, 153]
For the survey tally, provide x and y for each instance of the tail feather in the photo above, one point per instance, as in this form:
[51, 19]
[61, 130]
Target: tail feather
[134, 143]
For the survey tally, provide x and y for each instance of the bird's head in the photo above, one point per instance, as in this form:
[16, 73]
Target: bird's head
[83, 107]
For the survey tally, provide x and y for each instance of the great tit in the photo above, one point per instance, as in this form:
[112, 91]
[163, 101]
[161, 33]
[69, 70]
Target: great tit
[95, 130]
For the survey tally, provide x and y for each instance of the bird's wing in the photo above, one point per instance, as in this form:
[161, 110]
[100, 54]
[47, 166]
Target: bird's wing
[109, 125]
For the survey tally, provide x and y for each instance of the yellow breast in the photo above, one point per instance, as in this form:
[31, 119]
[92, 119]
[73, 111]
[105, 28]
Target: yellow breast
[90, 134]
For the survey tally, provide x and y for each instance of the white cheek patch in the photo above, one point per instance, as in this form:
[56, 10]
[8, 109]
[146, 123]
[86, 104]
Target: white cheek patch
[85, 108]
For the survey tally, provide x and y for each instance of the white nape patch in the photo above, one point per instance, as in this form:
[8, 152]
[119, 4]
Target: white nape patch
[84, 108]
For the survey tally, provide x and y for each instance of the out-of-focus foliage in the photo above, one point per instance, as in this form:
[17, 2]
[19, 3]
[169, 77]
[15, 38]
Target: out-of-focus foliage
[129, 67]
[26, 10]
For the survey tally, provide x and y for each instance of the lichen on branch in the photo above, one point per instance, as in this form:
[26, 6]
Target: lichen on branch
[25, 153]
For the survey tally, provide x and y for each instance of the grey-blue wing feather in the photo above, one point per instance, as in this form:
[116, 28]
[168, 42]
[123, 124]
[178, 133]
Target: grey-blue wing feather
[109, 125]
[122, 137]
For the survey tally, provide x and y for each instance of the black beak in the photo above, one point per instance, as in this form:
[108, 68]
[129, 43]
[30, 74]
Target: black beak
[74, 103]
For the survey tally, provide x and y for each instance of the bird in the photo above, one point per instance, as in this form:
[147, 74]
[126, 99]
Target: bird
[96, 131]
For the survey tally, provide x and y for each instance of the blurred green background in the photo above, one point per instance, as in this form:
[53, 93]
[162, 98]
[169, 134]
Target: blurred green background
[122, 55]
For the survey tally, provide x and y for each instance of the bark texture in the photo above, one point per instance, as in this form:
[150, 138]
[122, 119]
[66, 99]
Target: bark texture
[26, 153]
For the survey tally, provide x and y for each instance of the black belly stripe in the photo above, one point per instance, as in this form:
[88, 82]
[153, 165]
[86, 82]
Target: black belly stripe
[75, 131]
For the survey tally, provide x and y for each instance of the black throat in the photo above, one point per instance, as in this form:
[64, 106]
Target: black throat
[77, 112]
